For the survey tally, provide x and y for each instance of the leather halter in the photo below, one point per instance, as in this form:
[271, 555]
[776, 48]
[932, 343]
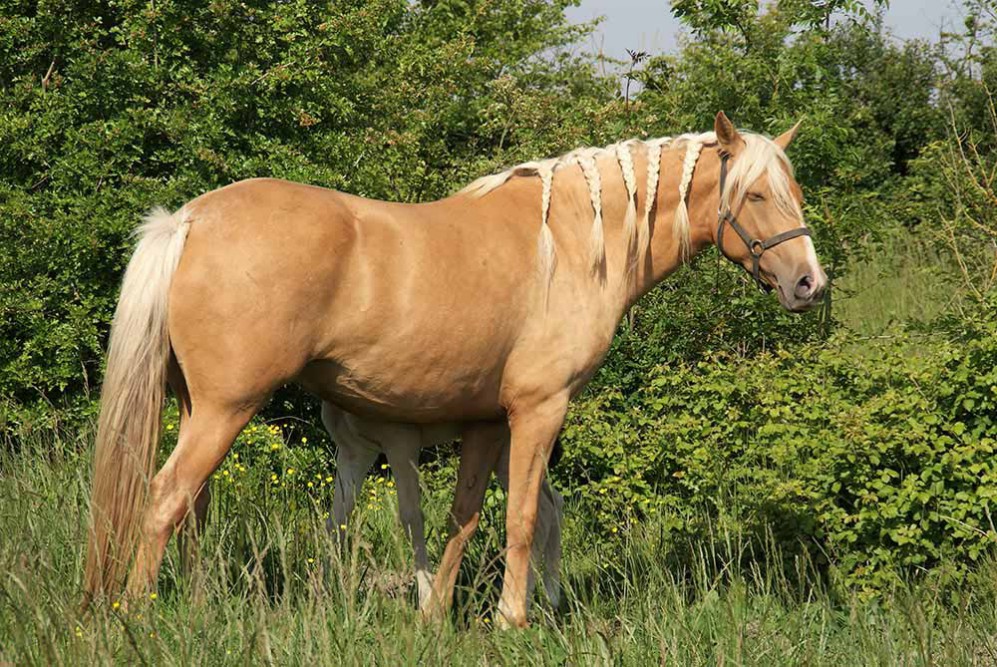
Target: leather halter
[756, 247]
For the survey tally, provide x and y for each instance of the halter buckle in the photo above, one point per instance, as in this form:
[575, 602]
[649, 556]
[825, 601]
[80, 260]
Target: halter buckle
[756, 247]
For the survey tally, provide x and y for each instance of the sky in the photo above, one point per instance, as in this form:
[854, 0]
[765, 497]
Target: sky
[648, 25]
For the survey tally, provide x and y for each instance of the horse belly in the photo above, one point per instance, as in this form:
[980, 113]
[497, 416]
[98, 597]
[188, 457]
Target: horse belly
[405, 392]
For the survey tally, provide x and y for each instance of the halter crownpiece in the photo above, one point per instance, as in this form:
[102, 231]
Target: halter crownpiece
[756, 247]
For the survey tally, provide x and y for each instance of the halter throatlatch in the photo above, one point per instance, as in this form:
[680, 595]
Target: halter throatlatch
[756, 247]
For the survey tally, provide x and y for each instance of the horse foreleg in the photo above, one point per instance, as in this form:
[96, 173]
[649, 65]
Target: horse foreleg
[552, 514]
[545, 553]
[533, 430]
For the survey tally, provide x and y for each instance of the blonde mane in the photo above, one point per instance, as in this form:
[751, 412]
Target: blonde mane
[760, 156]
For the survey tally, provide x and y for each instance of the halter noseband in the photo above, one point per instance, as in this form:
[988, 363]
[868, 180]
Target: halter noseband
[755, 246]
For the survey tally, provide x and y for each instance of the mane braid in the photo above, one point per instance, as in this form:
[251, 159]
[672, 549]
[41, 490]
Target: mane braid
[653, 169]
[625, 158]
[545, 247]
[680, 227]
[597, 242]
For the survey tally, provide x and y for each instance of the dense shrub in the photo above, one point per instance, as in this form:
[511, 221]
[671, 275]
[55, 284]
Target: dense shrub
[880, 460]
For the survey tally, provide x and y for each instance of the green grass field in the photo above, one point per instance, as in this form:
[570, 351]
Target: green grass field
[270, 588]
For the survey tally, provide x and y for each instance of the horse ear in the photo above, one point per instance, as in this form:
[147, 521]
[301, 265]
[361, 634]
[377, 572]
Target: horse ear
[728, 136]
[786, 138]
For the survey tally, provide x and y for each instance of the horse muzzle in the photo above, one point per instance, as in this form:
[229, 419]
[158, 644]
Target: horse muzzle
[802, 292]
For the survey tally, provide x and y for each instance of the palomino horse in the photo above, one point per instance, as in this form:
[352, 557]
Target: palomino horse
[359, 441]
[490, 308]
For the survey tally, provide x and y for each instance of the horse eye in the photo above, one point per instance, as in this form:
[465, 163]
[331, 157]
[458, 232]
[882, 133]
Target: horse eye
[755, 196]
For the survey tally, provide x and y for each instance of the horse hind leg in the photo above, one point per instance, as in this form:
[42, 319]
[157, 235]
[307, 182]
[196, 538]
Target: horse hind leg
[188, 537]
[353, 460]
[480, 449]
[403, 456]
[203, 442]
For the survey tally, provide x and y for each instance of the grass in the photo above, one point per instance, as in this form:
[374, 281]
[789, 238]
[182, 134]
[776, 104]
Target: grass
[270, 588]
[907, 278]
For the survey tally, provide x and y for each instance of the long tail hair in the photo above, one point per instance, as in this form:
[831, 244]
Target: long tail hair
[131, 401]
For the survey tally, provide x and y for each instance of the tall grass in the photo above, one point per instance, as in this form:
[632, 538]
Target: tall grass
[907, 278]
[269, 587]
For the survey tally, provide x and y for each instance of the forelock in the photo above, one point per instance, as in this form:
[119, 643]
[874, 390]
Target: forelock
[762, 157]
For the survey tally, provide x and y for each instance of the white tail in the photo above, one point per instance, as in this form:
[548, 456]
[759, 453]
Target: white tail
[131, 400]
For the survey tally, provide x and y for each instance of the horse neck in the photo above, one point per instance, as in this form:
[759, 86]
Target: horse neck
[664, 253]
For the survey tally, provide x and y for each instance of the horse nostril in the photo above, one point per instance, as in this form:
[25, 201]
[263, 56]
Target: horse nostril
[805, 287]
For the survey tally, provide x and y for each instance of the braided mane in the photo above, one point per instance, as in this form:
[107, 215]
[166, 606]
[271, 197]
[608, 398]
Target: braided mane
[761, 156]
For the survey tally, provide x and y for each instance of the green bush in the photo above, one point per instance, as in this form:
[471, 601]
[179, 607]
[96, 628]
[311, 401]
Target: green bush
[880, 463]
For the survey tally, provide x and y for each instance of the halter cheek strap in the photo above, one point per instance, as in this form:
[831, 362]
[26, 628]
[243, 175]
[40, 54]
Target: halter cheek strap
[756, 247]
